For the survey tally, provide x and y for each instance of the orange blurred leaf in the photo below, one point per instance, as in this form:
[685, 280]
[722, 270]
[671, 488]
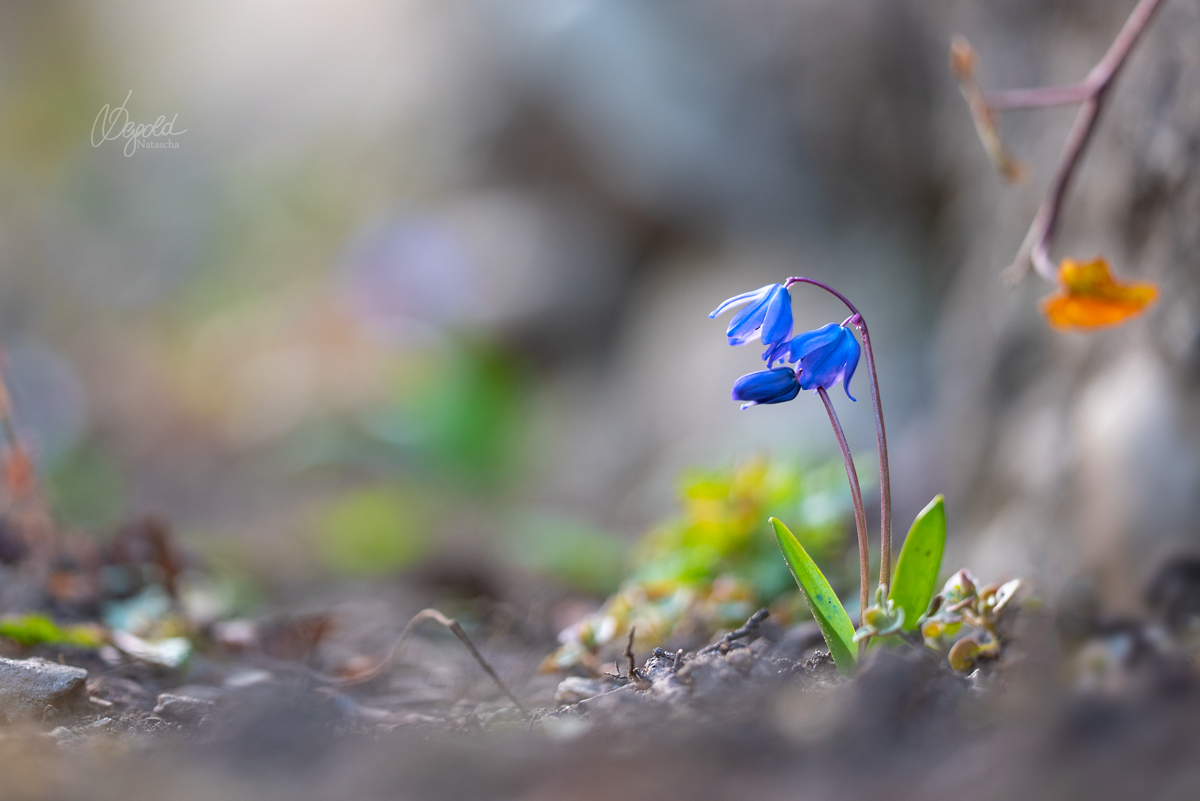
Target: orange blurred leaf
[1089, 297]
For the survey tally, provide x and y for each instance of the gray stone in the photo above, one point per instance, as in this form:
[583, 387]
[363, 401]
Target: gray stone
[574, 689]
[29, 686]
[65, 736]
[183, 708]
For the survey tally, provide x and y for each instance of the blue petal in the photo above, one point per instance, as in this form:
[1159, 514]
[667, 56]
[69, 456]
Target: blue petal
[745, 324]
[851, 365]
[767, 386]
[738, 300]
[777, 326]
[826, 356]
[809, 341]
[777, 352]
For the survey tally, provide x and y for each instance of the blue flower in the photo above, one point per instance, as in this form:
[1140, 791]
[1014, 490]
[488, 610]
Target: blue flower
[822, 357]
[768, 315]
[766, 386]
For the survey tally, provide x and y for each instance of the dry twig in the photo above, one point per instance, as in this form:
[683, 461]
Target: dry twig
[1090, 93]
[635, 676]
[455, 628]
[751, 626]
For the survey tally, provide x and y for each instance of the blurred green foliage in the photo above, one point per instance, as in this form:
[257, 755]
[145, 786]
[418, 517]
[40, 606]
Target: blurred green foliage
[372, 532]
[86, 488]
[37, 629]
[724, 515]
[710, 567]
[467, 414]
[568, 550]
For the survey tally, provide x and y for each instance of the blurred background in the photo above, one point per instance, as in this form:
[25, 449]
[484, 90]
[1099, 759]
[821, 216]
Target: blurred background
[425, 282]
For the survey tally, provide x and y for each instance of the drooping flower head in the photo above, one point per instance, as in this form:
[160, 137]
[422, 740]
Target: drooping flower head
[766, 386]
[822, 357]
[767, 316]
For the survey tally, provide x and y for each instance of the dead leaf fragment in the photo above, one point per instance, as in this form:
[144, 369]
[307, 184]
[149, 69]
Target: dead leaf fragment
[1089, 297]
[962, 64]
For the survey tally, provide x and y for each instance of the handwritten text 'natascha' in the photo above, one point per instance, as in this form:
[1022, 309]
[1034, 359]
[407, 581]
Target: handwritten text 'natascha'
[113, 123]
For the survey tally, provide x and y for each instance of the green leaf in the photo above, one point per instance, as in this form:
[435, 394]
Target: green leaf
[826, 608]
[920, 560]
[35, 629]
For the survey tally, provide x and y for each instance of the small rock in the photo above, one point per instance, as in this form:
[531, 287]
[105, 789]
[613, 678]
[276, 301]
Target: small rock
[574, 689]
[236, 635]
[564, 727]
[75, 736]
[183, 708]
[28, 686]
[63, 735]
[248, 678]
[202, 691]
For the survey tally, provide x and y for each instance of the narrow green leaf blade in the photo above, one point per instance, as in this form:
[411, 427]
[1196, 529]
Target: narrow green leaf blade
[916, 575]
[826, 608]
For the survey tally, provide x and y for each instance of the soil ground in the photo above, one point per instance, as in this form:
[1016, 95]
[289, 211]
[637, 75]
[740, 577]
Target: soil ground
[1075, 708]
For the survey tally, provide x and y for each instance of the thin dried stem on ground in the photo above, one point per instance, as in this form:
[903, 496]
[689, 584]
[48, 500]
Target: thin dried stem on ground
[748, 628]
[1091, 93]
[449, 623]
[631, 667]
[860, 515]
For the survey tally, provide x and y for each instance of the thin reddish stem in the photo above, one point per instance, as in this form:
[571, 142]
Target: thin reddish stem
[799, 279]
[885, 474]
[1070, 94]
[860, 514]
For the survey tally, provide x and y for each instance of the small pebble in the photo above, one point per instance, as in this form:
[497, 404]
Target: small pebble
[183, 708]
[248, 678]
[574, 689]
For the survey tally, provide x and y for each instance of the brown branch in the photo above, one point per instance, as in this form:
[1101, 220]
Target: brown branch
[630, 669]
[1091, 93]
[634, 676]
[963, 63]
[1071, 94]
[751, 626]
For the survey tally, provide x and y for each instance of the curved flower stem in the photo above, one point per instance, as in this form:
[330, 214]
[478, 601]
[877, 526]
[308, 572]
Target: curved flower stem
[799, 279]
[885, 476]
[860, 514]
